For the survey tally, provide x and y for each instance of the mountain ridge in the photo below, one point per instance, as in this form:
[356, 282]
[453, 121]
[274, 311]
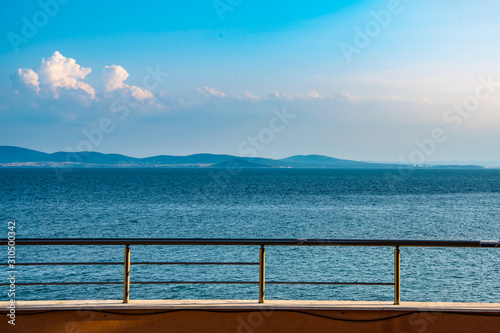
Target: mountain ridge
[12, 156]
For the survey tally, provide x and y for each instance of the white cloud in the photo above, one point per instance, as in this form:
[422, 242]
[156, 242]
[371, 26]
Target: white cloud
[278, 95]
[247, 96]
[26, 79]
[285, 96]
[114, 76]
[210, 92]
[344, 95]
[313, 94]
[140, 93]
[61, 72]
[57, 85]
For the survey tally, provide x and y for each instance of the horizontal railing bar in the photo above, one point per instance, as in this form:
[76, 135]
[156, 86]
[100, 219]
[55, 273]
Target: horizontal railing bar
[228, 241]
[141, 282]
[57, 283]
[195, 263]
[63, 263]
[194, 282]
[336, 283]
[132, 263]
[202, 282]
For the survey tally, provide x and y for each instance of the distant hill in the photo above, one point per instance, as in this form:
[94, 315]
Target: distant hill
[9, 154]
[331, 162]
[240, 163]
[15, 156]
[191, 159]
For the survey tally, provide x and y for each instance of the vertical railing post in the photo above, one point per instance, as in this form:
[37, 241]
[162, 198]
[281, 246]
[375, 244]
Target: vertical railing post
[397, 276]
[262, 274]
[126, 275]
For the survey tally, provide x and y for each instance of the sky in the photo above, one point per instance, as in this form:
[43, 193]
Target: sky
[390, 81]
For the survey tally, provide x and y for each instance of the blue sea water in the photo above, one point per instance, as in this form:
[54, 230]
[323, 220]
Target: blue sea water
[268, 203]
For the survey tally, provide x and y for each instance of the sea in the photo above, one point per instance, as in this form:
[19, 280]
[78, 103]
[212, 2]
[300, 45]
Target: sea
[418, 204]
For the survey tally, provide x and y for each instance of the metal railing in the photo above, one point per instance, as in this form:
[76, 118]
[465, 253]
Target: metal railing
[262, 243]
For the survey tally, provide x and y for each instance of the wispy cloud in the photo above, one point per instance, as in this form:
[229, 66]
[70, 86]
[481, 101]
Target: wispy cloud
[279, 95]
[344, 95]
[210, 92]
[247, 96]
[313, 94]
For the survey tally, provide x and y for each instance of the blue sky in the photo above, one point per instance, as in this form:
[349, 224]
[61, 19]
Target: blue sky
[364, 80]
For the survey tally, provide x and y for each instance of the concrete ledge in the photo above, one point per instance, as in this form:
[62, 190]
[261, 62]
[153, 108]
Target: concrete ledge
[248, 316]
[110, 305]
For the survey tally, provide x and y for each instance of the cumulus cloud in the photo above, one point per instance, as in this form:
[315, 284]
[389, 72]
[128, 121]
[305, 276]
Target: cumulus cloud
[58, 84]
[58, 72]
[210, 92]
[26, 80]
[114, 76]
[140, 93]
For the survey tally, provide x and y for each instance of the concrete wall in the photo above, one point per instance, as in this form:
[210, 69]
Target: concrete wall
[247, 321]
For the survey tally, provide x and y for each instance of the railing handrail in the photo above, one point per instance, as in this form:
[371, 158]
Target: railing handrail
[128, 242]
[255, 241]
